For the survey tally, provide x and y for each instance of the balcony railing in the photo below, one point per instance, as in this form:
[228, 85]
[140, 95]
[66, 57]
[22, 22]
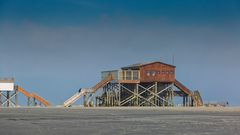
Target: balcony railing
[129, 75]
[122, 74]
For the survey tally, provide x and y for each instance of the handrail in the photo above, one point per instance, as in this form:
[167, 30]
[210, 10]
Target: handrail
[74, 98]
[182, 87]
[102, 83]
[32, 95]
[23, 91]
[84, 91]
[40, 99]
[195, 95]
[129, 75]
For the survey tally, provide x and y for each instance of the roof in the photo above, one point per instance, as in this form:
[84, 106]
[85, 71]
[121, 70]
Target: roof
[6, 80]
[138, 65]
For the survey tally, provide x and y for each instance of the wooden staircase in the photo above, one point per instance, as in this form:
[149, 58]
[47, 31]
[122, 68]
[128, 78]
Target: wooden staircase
[84, 91]
[33, 95]
[102, 83]
[40, 99]
[195, 95]
[198, 98]
[182, 87]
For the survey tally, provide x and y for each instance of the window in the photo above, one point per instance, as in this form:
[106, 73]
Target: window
[153, 73]
[148, 73]
[163, 72]
[135, 75]
[128, 75]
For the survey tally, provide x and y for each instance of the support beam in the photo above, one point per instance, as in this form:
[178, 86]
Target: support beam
[0, 98]
[8, 96]
[137, 91]
[16, 99]
[157, 95]
[184, 98]
[28, 101]
[139, 96]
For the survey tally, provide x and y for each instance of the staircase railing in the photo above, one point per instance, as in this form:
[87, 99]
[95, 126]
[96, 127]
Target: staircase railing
[32, 95]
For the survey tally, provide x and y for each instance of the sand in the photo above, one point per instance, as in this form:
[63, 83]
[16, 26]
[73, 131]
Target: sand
[123, 120]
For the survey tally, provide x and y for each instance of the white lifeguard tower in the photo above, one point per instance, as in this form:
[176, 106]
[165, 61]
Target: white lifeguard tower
[8, 96]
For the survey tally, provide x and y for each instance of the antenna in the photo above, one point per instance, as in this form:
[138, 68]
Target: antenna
[173, 58]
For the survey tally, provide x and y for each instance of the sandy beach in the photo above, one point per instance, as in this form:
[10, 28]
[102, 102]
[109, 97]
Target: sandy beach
[120, 120]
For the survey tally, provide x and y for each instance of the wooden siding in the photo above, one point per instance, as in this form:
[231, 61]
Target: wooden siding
[157, 72]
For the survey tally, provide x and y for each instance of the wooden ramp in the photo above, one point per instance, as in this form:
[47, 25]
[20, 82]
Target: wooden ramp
[74, 98]
[84, 91]
[197, 99]
[40, 99]
[33, 96]
[183, 88]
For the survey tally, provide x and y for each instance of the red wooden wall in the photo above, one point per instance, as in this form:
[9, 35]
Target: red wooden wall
[157, 72]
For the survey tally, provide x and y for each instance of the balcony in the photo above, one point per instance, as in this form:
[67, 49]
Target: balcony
[127, 76]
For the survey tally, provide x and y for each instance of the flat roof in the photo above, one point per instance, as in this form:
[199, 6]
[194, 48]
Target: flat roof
[138, 65]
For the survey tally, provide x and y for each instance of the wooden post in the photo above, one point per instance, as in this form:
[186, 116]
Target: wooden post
[172, 97]
[34, 102]
[119, 98]
[8, 98]
[163, 102]
[137, 94]
[131, 75]
[125, 75]
[0, 98]
[184, 102]
[139, 75]
[16, 98]
[155, 92]
[28, 101]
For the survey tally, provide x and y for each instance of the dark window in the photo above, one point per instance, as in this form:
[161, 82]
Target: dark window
[129, 75]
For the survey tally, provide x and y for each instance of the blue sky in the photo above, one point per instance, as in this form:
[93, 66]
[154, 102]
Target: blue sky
[53, 47]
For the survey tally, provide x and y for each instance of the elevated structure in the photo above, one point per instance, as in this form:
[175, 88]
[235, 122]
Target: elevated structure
[147, 84]
[9, 95]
